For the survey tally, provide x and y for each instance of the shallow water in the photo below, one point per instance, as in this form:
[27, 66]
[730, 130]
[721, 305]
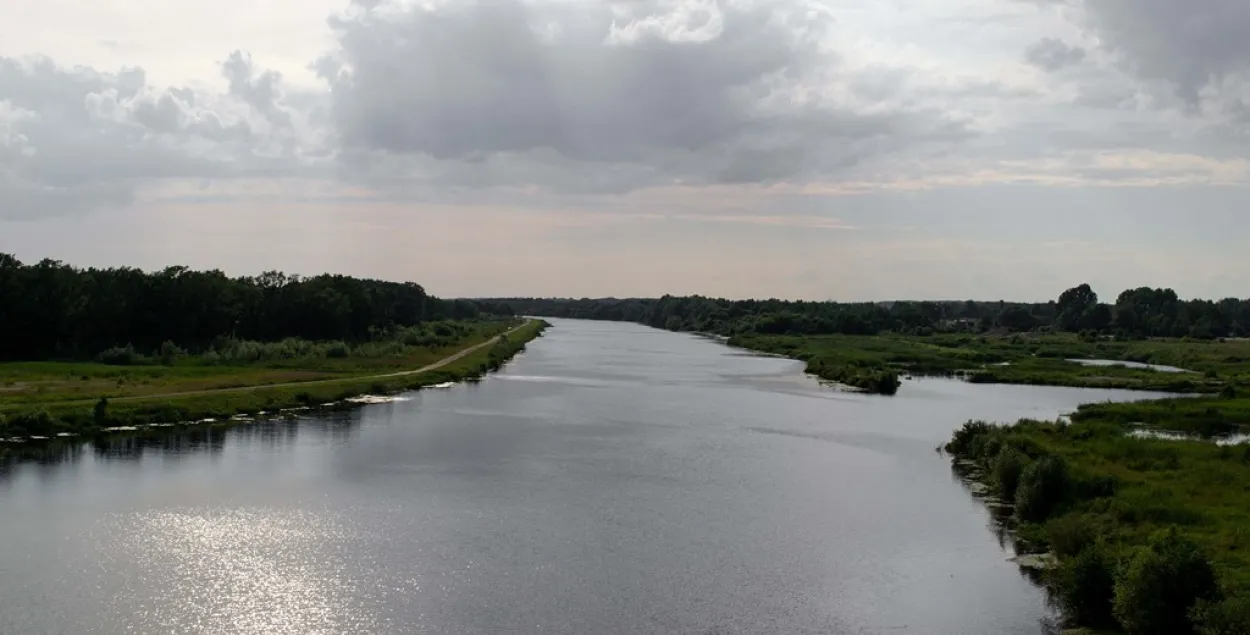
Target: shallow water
[1138, 365]
[611, 479]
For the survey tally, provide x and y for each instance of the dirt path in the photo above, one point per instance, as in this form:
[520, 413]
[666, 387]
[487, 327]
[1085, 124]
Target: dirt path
[320, 382]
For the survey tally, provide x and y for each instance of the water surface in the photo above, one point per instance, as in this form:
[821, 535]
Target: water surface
[612, 479]
[1138, 365]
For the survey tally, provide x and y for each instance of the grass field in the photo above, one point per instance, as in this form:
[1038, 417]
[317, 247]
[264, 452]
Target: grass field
[51, 398]
[27, 384]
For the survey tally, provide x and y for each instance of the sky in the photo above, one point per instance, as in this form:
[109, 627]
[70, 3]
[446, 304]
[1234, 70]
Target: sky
[815, 149]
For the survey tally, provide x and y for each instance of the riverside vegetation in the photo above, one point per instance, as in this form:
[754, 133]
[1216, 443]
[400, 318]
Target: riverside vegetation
[1152, 535]
[93, 349]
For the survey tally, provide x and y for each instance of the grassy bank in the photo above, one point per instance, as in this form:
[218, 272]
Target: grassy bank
[870, 361]
[1152, 536]
[200, 392]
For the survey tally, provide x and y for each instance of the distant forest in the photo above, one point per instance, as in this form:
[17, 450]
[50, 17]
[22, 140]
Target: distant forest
[1136, 313]
[53, 310]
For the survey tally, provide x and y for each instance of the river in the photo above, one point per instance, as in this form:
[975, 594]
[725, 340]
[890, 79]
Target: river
[611, 479]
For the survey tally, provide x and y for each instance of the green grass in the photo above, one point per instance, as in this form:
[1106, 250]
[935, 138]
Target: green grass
[1017, 359]
[47, 417]
[1125, 490]
[1207, 416]
[24, 385]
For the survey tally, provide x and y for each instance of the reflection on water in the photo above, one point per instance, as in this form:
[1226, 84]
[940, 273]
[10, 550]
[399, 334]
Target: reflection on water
[1138, 365]
[613, 479]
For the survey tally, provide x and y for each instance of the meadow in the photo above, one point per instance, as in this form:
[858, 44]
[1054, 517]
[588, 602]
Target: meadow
[49, 398]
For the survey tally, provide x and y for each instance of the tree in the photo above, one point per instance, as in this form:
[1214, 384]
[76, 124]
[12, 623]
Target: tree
[1100, 317]
[1085, 588]
[1075, 307]
[60, 310]
[1157, 590]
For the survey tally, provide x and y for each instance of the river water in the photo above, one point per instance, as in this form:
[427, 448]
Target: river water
[611, 479]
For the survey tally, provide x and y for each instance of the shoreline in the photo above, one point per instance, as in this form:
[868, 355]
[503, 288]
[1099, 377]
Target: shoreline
[241, 405]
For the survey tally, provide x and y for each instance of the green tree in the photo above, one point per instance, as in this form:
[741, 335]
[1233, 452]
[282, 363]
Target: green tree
[1075, 307]
[1084, 587]
[1160, 586]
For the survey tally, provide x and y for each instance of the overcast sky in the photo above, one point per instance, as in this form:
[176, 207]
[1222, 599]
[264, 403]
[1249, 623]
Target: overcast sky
[822, 149]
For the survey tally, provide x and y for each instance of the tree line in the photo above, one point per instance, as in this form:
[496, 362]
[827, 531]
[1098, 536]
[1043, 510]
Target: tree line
[1136, 313]
[54, 310]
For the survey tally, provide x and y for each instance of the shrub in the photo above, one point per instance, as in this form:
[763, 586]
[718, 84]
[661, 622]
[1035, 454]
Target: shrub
[119, 356]
[38, 422]
[1084, 587]
[1069, 535]
[100, 414]
[1160, 586]
[1230, 617]
[1008, 468]
[170, 352]
[1044, 484]
[961, 442]
[338, 350]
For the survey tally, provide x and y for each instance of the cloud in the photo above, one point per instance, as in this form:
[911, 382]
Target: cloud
[1052, 54]
[78, 138]
[563, 102]
[608, 95]
[1198, 47]
[260, 90]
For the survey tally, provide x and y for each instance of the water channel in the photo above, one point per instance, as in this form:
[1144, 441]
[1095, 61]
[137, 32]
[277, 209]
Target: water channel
[611, 479]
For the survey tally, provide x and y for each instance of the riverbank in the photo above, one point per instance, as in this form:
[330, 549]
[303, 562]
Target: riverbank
[48, 418]
[1113, 507]
[875, 362]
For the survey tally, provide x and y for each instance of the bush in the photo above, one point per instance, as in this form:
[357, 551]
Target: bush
[38, 422]
[1230, 617]
[170, 352]
[338, 350]
[1044, 484]
[1160, 586]
[1084, 587]
[1008, 468]
[119, 356]
[1069, 535]
[961, 442]
[100, 414]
